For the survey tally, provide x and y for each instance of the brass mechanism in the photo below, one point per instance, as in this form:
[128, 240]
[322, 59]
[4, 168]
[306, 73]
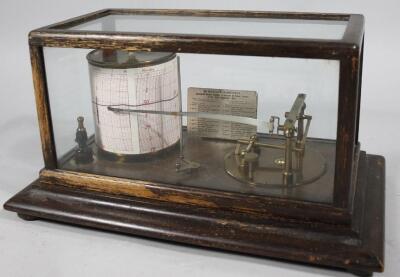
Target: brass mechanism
[257, 162]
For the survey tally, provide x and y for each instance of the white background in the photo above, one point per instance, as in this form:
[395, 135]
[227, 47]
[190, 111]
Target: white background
[45, 249]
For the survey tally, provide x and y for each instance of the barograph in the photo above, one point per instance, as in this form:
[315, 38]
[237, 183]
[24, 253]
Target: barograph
[234, 130]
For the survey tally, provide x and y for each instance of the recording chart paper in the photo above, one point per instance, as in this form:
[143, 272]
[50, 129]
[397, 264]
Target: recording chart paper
[147, 88]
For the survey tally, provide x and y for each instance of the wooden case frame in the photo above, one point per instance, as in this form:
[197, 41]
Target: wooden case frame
[345, 217]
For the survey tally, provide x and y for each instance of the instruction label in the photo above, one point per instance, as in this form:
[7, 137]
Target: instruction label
[226, 102]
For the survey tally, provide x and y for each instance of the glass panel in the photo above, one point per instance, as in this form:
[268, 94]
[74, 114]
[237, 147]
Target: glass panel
[227, 26]
[252, 125]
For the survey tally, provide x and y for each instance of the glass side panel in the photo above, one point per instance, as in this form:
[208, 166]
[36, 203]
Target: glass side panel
[251, 125]
[223, 26]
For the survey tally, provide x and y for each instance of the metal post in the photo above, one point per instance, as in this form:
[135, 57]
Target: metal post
[288, 169]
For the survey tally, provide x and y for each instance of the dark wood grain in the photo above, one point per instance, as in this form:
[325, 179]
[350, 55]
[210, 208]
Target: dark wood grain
[78, 20]
[200, 44]
[211, 185]
[60, 35]
[269, 207]
[346, 132]
[233, 13]
[72, 22]
[43, 107]
[354, 33]
[216, 228]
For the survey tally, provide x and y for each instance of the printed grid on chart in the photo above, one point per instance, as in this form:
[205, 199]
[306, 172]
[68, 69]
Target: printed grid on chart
[156, 89]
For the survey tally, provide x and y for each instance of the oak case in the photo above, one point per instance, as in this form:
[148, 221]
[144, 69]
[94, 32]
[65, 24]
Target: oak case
[346, 234]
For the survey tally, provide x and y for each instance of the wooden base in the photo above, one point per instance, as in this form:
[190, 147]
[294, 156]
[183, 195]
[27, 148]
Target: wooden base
[361, 254]
[27, 217]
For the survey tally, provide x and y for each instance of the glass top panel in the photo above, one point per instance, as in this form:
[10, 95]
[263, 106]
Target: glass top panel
[226, 26]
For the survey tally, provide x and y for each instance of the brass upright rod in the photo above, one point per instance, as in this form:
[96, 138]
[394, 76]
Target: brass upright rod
[300, 126]
[288, 169]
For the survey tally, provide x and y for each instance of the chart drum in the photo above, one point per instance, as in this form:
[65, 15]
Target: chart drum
[138, 80]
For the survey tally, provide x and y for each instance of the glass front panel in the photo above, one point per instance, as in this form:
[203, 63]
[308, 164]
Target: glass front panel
[226, 26]
[249, 125]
